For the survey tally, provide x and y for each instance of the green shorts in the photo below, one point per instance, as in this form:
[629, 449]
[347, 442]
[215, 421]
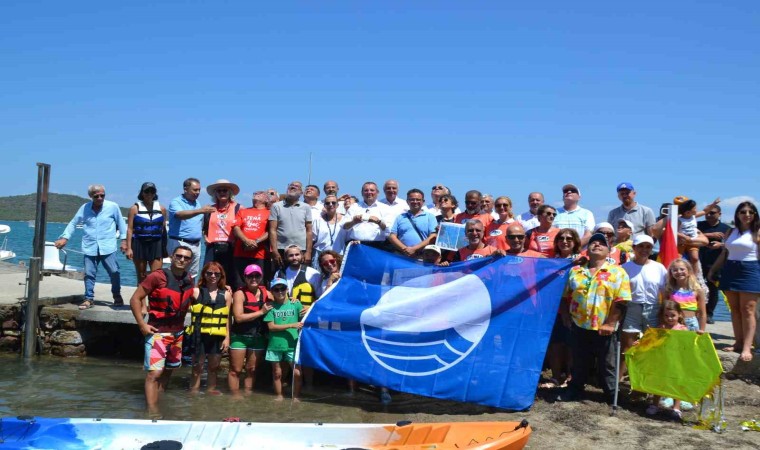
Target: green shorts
[242, 342]
[275, 356]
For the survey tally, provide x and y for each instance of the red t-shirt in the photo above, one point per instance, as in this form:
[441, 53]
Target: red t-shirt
[496, 234]
[253, 224]
[543, 242]
[463, 217]
[465, 253]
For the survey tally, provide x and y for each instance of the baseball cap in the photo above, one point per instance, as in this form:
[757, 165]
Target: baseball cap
[625, 185]
[147, 185]
[571, 186]
[251, 269]
[640, 239]
[601, 225]
[433, 247]
[278, 282]
[598, 237]
[627, 223]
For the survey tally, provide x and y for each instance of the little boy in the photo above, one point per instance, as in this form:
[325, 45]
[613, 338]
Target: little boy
[284, 322]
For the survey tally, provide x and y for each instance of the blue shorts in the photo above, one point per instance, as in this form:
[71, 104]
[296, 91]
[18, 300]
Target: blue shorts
[639, 317]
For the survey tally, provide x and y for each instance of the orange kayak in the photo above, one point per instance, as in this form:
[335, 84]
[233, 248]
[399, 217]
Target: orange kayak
[38, 432]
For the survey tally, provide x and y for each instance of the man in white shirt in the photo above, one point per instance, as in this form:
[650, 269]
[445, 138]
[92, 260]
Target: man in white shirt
[486, 206]
[573, 216]
[371, 221]
[528, 219]
[311, 198]
[648, 279]
[398, 205]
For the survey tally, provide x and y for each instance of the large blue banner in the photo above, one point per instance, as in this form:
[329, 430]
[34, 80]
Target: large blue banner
[476, 331]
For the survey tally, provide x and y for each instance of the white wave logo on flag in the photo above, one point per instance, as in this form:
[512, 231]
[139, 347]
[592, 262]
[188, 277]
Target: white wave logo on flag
[423, 326]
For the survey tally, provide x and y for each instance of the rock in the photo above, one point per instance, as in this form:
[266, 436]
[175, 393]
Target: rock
[48, 322]
[68, 350]
[10, 324]
[9, 312]
[10, 343]
[66, 337]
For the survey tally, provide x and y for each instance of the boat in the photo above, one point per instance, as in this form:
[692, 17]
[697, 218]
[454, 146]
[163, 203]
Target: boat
[4, 252]
[49, 433]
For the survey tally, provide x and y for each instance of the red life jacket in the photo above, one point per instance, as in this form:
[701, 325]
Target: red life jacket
[251, 305]
[168, 305]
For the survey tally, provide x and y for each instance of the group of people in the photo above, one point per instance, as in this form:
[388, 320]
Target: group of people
[293, 244]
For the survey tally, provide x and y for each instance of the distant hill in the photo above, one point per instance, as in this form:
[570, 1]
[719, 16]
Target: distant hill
[61, 207]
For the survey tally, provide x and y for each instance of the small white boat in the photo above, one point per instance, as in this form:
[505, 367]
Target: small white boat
[36, 432]
[5, 253]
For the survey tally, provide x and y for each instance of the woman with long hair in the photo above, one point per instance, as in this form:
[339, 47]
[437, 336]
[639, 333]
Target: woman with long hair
[740, 277]
[496, 231]
[146, 233]
[209, 323]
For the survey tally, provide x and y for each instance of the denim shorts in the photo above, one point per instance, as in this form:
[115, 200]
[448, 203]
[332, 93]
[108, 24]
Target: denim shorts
[639, 317]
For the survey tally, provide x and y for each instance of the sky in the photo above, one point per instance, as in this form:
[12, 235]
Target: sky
[500, 97]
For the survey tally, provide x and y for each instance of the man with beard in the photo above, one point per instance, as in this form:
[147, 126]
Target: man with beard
[290, 224]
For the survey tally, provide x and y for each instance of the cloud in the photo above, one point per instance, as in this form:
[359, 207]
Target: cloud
[729, 204]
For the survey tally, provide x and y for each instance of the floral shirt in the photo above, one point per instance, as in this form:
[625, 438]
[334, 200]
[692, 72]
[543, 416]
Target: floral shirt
[591, 296]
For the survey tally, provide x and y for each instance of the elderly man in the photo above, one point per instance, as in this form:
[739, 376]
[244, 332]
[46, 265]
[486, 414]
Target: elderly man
[528, 219]
[591, 306]
[642, 217]
[169, 293]
[486, 206]
[572, 215]
[290, 224]
[100, 218]
[398, 205]
[370, 221]
[186, 222]
[414, 229]
[331, 188]
[474, 231]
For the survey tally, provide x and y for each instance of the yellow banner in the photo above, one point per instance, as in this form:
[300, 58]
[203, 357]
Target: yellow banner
[673, 363]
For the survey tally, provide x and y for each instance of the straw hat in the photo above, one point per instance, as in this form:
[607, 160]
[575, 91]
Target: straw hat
[211, 188]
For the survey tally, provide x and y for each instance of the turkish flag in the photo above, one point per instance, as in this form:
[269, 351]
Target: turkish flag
[668, 244]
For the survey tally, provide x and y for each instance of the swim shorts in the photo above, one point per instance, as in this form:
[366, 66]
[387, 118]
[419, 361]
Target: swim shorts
[163, 350]
[242, 342]
[275, 356]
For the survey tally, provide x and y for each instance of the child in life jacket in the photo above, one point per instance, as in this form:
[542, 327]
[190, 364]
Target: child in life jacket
[248, 332]
[284, 322]
[209, 324]
[671, 317]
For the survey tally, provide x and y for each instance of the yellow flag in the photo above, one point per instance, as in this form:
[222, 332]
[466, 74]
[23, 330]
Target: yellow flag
[674, 363]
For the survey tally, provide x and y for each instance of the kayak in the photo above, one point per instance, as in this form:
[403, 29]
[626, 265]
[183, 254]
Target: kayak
[47, 433]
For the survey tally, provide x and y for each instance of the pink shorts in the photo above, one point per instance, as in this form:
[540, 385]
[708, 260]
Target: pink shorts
[163, 350]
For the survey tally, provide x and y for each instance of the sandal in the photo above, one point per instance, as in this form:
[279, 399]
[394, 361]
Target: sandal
[550, 384]
[87, 304]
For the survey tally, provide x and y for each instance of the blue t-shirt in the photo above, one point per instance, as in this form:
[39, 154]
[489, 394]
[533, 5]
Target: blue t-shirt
[403, 229]
[184, 229]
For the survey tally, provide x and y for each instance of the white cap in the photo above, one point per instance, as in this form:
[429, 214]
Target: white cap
[640, 239]
[433, 247]
[601, 225]
[627, 222]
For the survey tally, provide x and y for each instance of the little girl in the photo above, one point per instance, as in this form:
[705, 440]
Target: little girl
[683, 288]
[284, 323]
[687, 230]
[671, 318]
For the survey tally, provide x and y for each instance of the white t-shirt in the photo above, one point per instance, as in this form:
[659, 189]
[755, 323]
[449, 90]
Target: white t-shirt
[312, 277]
[369, 231]
[328, 236]
[647, 281]
[398, 206]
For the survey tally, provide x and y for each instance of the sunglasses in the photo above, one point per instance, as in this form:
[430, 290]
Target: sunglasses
[149, 191]
[608, 233]
[565, 239]
[213, 274]
[183, 257]
[747, 212]
[515, 236]
[570, 191]
[222, 190]
[501, 205]
[550, 214]
[99, 196]
[713, 213]
[279, 289]
[329, 262]
[253, 275]
[331, 203]
[437, 187]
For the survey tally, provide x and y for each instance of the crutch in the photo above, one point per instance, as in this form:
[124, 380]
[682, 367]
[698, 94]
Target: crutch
[617, 377]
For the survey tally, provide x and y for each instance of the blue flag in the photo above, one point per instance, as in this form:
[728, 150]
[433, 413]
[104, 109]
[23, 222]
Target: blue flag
[476, 331]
